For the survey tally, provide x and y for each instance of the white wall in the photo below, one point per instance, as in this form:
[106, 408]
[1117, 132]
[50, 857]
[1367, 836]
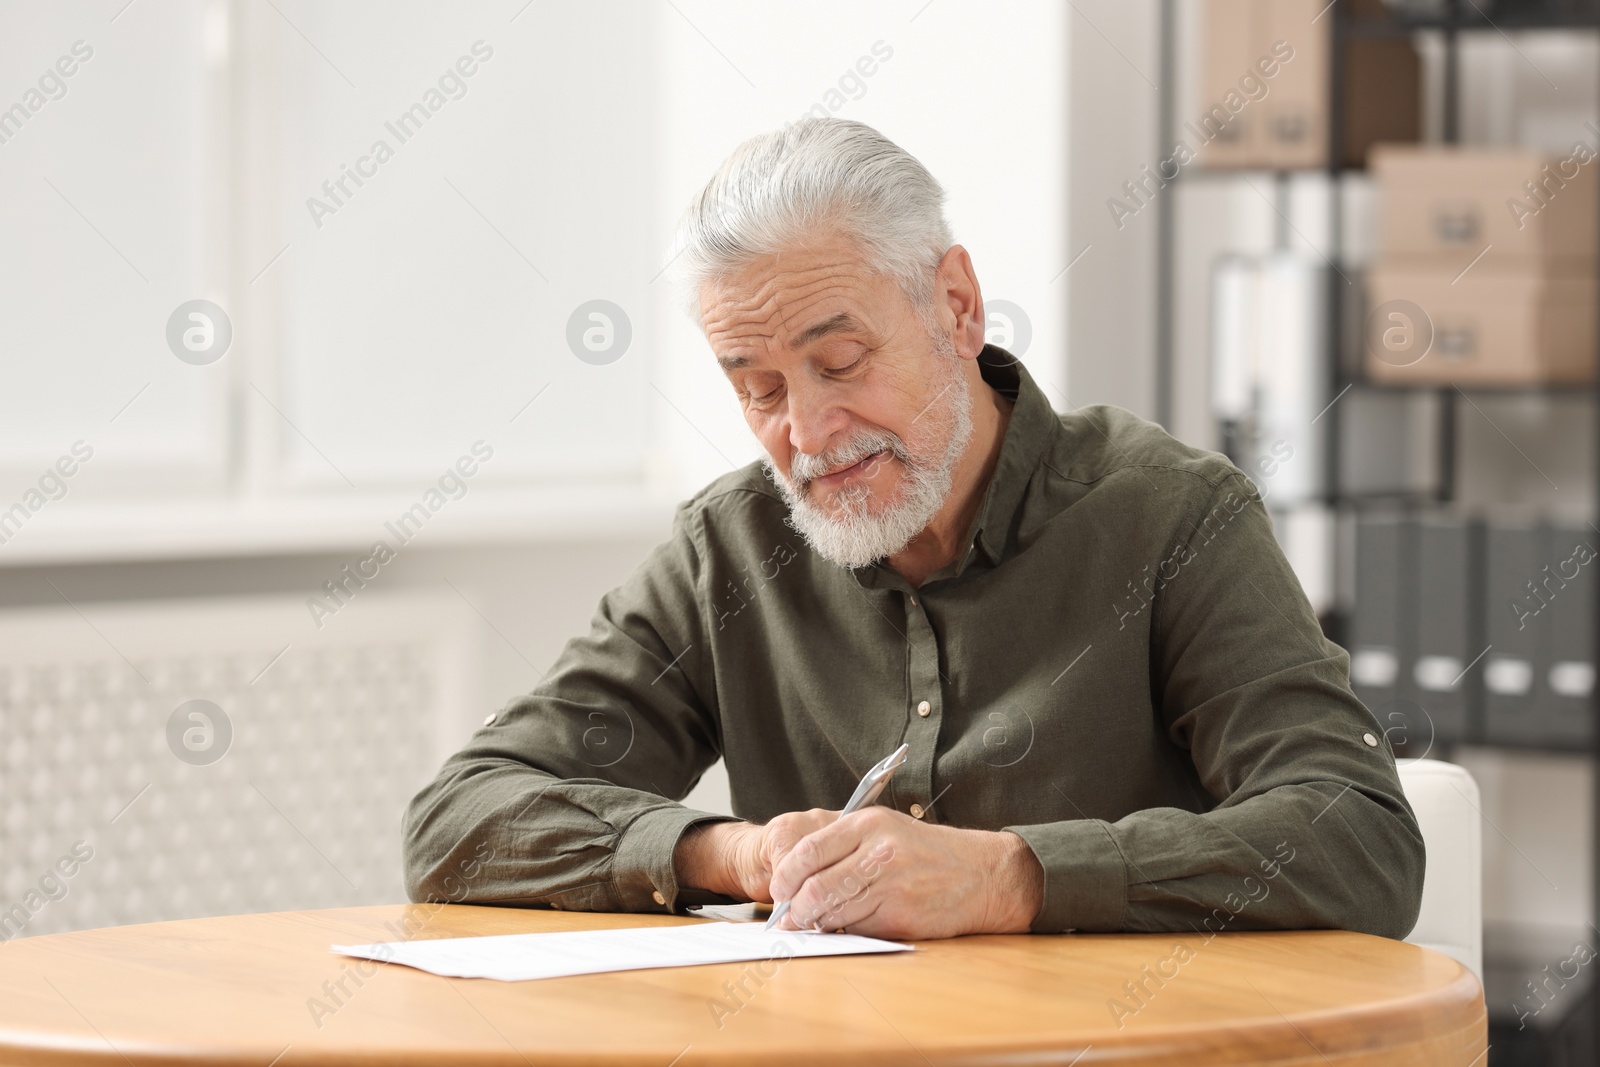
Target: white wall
[1114, 70]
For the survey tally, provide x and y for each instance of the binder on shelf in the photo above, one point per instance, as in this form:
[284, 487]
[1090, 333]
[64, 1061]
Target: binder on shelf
[1564, 670]
[1379, 624]
[1442, 677]
[1514, 630]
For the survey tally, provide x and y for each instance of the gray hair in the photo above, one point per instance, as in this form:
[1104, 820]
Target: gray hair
[815, 175]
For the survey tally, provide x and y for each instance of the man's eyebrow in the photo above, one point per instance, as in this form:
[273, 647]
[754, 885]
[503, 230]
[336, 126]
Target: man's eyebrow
[843, 322]
[840, 323]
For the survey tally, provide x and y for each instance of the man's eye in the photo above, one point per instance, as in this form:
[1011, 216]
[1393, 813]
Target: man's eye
[763, 398]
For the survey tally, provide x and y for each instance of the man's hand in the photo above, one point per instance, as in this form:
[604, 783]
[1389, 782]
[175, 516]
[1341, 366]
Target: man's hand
[737, 859]
[881, 873]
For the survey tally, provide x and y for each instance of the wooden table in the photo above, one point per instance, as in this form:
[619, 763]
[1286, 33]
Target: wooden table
[246, 990]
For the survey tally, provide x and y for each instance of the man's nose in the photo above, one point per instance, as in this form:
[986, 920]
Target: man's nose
[814, 418]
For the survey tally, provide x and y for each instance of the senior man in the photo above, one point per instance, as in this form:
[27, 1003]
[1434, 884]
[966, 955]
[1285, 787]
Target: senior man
[1121, 712]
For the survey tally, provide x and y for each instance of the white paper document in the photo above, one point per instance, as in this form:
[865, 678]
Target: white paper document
[519, 957]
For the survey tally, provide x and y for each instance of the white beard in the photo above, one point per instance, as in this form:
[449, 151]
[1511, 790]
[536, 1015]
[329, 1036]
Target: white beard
[853, 534]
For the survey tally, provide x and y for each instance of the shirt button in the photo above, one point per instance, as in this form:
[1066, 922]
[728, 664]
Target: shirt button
[924, 708]
[657, 897]
[488, 720]
[1372, 742]
[913, 601]
[916, 811]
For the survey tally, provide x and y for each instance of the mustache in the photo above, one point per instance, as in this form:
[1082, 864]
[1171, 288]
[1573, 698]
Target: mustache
[805, 467]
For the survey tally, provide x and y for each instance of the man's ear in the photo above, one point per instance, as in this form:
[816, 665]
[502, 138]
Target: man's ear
[956, 289]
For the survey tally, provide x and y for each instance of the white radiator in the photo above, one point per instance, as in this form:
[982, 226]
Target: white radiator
[107, 821]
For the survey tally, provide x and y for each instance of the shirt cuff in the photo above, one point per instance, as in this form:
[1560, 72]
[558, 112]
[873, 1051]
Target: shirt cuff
[642, 876]
[1085, 876]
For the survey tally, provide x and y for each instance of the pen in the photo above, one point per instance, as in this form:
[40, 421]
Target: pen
[872, 784]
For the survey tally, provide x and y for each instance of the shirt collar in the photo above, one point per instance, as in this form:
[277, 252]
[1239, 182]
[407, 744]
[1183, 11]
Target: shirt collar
[1027, 435]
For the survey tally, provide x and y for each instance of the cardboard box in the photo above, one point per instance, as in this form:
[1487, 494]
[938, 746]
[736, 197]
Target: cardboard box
[1294, 131]
[1486, 329]
[1265, 87]
[1442, 206]
[1234, 36]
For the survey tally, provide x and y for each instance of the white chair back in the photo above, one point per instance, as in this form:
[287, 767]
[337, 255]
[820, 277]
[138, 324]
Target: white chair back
[1446, 802]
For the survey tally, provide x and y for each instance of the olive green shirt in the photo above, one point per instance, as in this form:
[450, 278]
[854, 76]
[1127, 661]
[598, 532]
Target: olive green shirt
[1121, 669]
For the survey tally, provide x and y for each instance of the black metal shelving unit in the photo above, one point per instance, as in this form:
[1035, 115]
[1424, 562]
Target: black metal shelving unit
[1451, 20]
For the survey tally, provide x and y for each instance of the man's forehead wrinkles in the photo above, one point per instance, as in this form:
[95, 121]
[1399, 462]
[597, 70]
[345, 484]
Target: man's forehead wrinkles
[791, 308]
[767, 303]
[802, 301]
[747, 319]
[780, 290]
